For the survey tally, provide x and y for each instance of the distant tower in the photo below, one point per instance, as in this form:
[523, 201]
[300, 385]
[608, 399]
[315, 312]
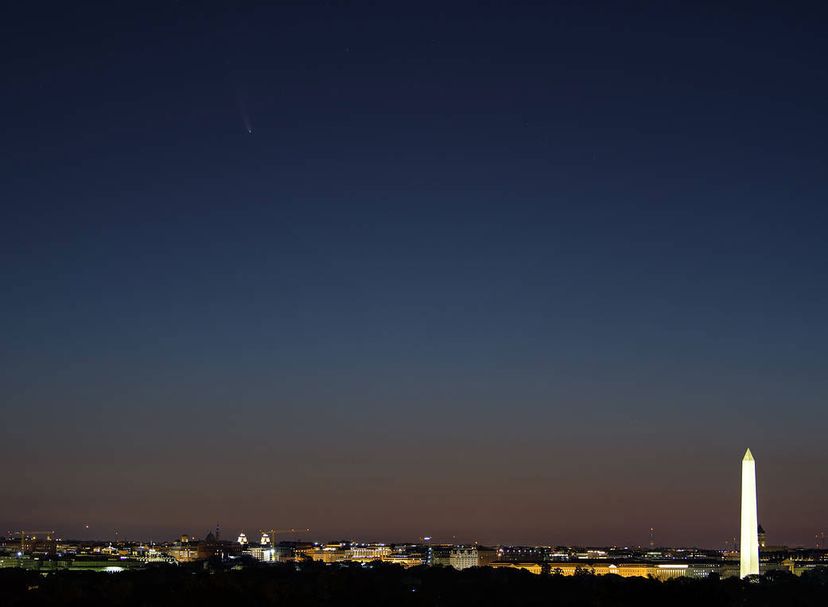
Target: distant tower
[762, 538]
[749, 549]
[242, 539]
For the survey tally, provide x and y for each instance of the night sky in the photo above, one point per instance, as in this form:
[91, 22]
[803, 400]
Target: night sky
[497, 271]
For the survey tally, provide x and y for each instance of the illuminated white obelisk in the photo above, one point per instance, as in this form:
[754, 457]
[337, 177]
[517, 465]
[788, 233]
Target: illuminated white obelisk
[749, 548]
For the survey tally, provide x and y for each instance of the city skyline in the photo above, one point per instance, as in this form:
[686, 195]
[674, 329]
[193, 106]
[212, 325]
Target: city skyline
[748, 548]
[511, 272]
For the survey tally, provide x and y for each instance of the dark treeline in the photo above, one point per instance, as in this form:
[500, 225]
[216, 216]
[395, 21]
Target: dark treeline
[390, 585]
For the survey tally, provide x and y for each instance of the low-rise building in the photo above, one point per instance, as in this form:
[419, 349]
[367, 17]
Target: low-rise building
[463, 557]
[536, 568]
[364, 553]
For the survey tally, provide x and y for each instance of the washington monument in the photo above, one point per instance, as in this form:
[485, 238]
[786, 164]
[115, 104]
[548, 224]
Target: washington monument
[749, 548]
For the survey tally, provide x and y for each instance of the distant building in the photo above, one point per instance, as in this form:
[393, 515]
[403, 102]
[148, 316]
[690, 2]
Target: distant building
[536, 568]
[474, 556]
[439, 555]
[185, 550]
[369, 552]
[212, 547]
[410, 555]
[405, 559]
[290, 551]
[528, 554]
[38, 543]
[262, 553]
[333, 552]
[659, 571]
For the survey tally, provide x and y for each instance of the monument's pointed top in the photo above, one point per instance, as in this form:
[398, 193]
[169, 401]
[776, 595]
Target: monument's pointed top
[748, 456]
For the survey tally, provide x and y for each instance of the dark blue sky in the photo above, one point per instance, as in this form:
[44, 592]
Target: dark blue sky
[531, 272]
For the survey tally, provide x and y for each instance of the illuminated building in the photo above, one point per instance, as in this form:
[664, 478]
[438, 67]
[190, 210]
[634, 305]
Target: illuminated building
[528, 554]
[659, 571]
[38, 542]
[262, 553]
[438, 555]
[209, 547]
[340, 552]
[405, 559]
[475, 556]
[335, 552]
[288, 551]
[369, 552]
[535, 568]
[184, 551]
[749, 545]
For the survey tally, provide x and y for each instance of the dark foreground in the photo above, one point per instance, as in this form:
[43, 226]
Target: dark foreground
[389, 585]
